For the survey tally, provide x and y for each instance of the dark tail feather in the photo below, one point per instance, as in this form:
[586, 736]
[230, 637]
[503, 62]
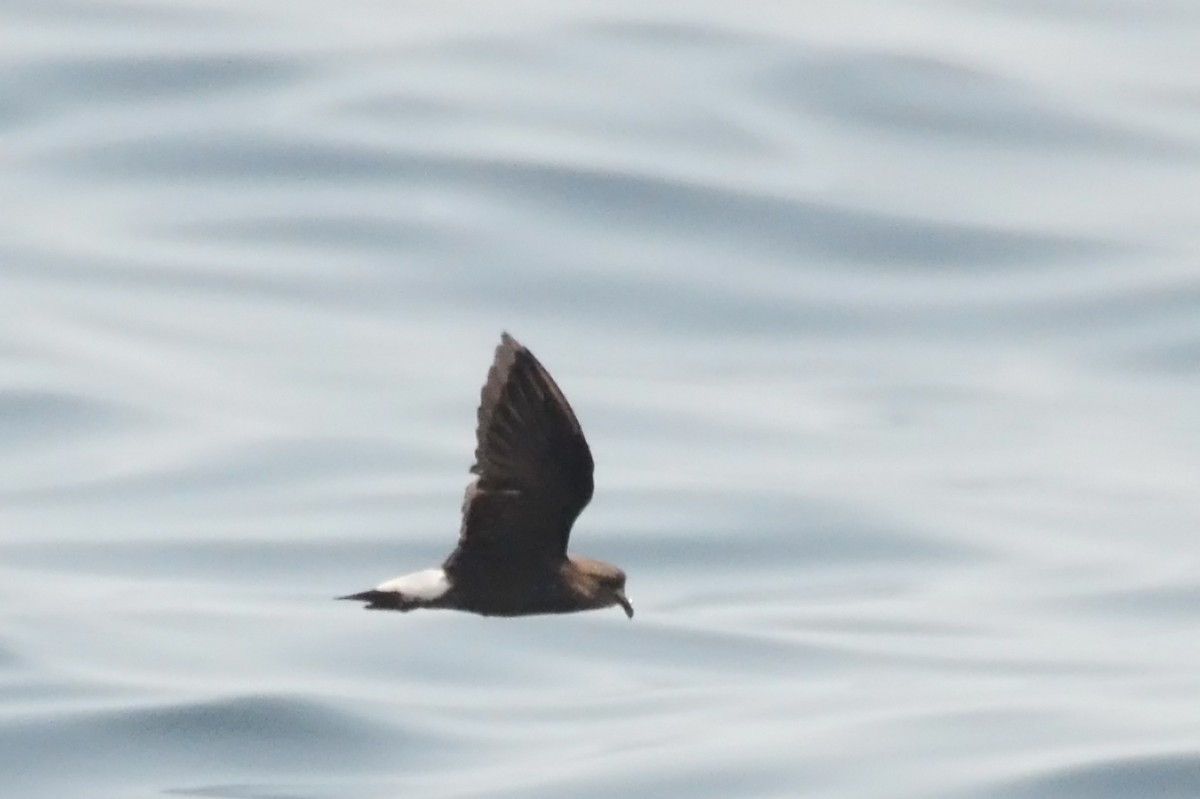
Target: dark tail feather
[365, 596]
[383, 600]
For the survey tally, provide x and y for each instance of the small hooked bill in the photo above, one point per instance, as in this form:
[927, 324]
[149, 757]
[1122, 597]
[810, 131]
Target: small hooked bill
[623, 601]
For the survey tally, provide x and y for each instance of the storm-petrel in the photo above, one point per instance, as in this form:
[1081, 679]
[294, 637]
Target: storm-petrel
[534, 478]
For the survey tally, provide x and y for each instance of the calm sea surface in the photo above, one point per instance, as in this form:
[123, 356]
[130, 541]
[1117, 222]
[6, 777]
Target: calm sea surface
[882, 318]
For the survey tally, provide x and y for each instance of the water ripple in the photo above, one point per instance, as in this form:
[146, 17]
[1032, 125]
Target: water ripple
[1165, 776]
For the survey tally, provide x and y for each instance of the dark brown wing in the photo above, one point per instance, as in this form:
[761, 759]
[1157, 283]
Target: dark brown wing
[533, 464]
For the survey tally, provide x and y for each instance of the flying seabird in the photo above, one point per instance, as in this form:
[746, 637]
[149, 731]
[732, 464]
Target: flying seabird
[534, 477]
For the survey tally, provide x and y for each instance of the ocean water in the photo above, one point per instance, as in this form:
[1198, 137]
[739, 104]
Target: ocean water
[882, 319]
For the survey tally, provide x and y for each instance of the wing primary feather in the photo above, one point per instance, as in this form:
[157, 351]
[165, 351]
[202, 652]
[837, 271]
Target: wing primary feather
[533, 464]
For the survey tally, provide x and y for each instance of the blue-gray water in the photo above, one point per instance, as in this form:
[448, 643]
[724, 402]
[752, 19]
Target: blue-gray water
[882, 318]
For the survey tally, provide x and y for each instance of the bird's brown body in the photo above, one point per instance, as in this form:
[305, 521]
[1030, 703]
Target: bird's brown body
[534, 477]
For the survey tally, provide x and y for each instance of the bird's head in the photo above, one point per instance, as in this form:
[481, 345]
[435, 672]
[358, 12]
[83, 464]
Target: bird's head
[603, 584]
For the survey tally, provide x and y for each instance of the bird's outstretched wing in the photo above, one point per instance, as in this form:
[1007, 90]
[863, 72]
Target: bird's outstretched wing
[533, 464]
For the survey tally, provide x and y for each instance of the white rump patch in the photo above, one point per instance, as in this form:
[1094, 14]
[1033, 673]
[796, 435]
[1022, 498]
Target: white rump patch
[427, 585]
